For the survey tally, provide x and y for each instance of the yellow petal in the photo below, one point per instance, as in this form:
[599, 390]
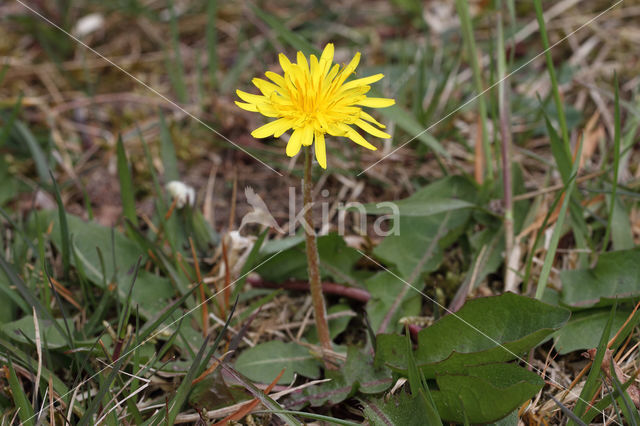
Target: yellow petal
[276, 78]
[247, 107]
[361, 82]
[295, 142]
[332, 73]
[272, 128]
[327, 53]
[370, 119]
[356, 137]
[371, 130]
[321, 153]
[267, 110]
[349, 69]
[307, 135]
[264, 86]
[376, 102]
[302, 61]
[284, 63]
[252, 99]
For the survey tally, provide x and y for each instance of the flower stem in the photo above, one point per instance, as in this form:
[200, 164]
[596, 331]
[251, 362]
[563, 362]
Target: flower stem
[312, 258]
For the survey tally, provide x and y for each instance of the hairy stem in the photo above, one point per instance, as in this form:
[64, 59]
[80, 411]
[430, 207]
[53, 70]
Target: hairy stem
[312, 258]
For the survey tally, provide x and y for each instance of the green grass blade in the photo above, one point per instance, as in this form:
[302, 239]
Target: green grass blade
[97, 401]
[616, 163]
[167, 152]
[601, 405]
[28, 296]
[5, 131]
[180, 397]
[126, 184]
[552, 76]
[211, 36]
[628, 408]
[557, 230]
[64, 227]
[288, 36]
[40, 160]
[591, 385]
[176, 66]
[20, 399]
[314, 416]
[268, 402]
[462, 7]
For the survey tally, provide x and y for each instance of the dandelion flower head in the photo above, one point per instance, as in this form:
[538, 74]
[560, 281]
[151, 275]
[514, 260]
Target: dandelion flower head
[314, 98]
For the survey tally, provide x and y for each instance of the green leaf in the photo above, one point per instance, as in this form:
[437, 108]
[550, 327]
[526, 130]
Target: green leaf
[406, 249]
[264, 361]
[39, 158]
[358, 374]
[584, 329]
[337, 260]
[484, 393]
[151, 292]
[401, 410]
[168, 152]
[615, 276]
[49, 333]
[126, 184]
[410, 207]
[25, 410]
[384, 288]
[592, 383]
[485, 330]
[405, 120]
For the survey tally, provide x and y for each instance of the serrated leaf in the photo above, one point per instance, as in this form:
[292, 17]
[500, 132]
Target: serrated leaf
[415, 233]
[151, 292]
[264, 361]
[485, 330]
[484, 393]
[584, 329]
[384, 288]
[420, 208]
[358, 374]
[25, 325]
[336, 259]
[401, 410]
[616, 276]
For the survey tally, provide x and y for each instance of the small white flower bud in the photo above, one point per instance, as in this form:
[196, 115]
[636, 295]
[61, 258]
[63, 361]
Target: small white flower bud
[182, 193]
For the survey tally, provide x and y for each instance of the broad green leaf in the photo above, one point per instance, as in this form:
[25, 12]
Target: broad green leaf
[399, 410]
[615, 276]
[384, 288]
[584, 329]
[484, 393]
[357, 374]
[415, 233]
[485, 330]
[264, 361]
[621, 232]
[47, 331]
[151, 292]
[410, 207]
[411, 126]
[337, 260]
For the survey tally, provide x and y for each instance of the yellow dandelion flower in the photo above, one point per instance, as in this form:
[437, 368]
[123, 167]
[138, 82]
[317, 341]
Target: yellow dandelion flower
[314, 98]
